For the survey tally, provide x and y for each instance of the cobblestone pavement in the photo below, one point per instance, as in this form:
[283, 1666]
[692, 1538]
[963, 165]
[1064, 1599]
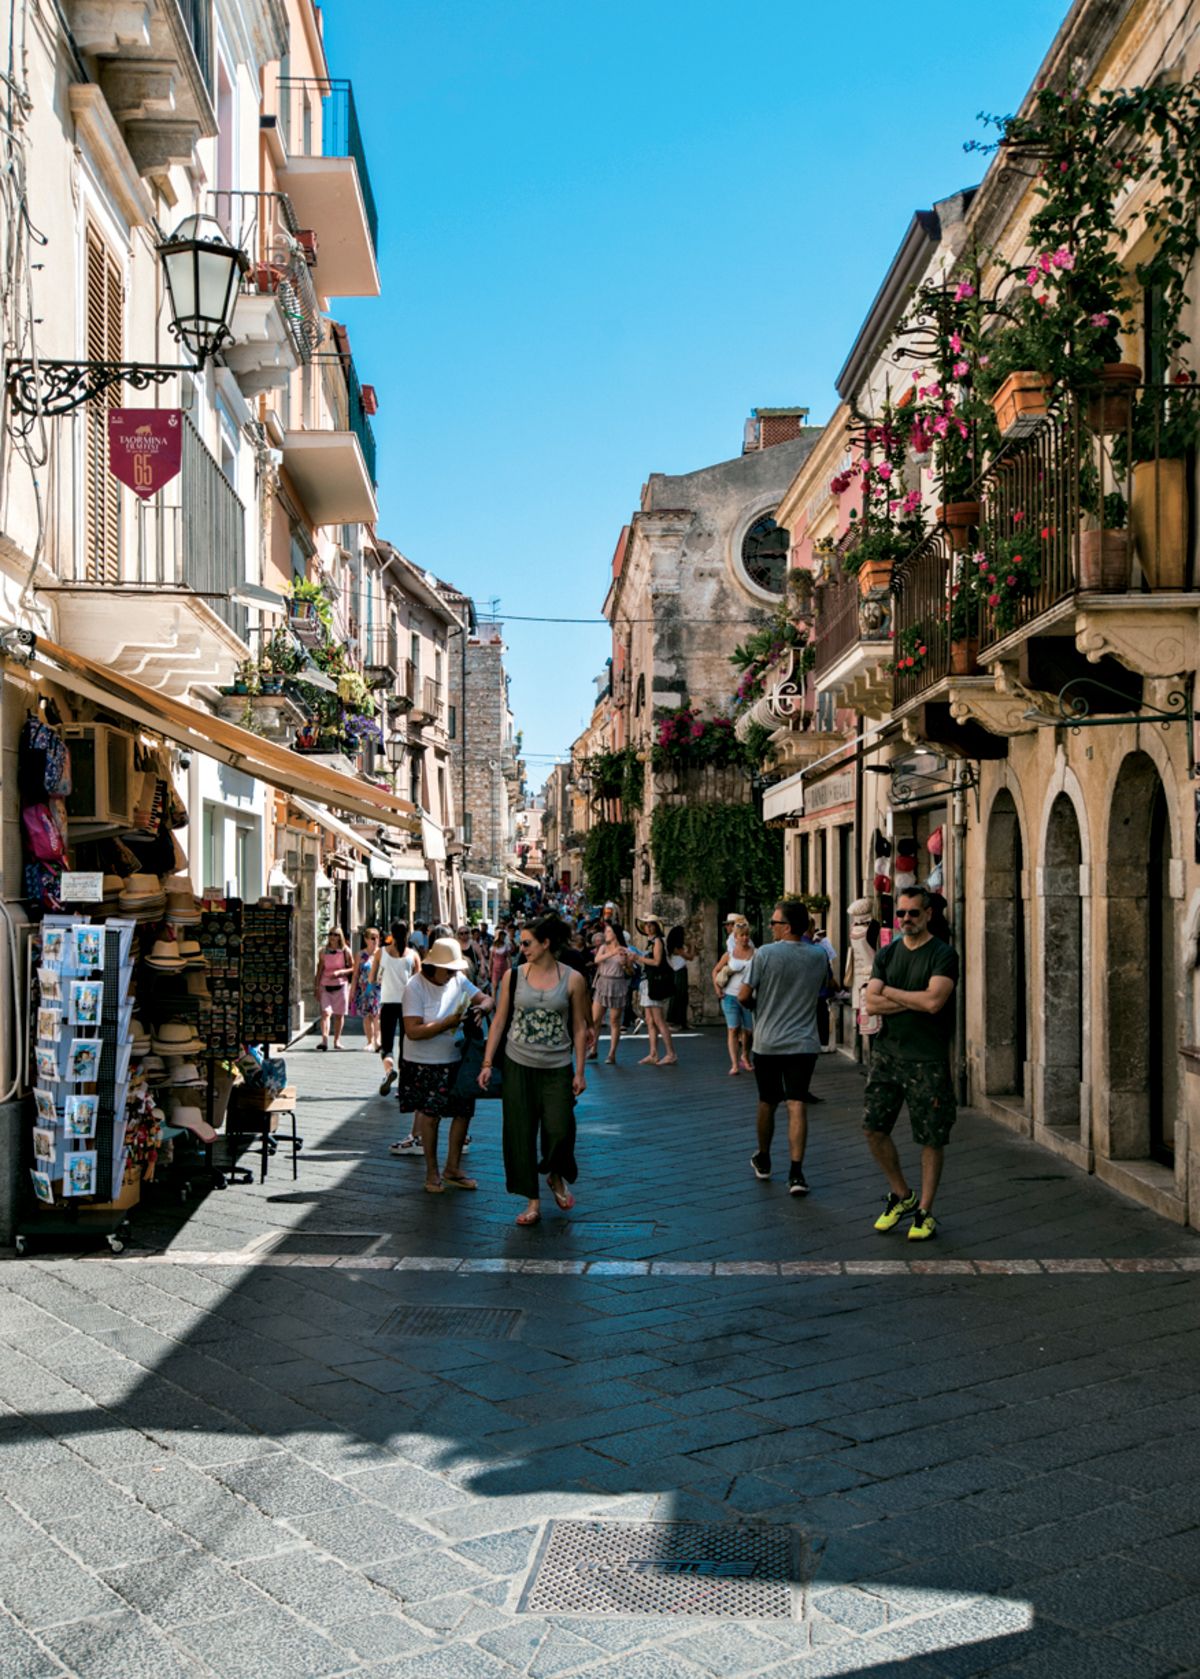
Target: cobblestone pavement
[258, 1443]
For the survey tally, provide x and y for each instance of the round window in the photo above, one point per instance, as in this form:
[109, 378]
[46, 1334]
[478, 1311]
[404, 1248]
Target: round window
[765, 554]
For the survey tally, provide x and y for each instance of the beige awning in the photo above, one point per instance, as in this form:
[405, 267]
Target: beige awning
[200, 731]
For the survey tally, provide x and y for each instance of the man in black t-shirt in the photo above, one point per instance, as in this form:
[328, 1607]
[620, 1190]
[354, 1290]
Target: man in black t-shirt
[911, 984]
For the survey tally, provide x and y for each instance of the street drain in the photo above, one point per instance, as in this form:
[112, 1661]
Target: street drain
[451, 1323]
[728, 1571]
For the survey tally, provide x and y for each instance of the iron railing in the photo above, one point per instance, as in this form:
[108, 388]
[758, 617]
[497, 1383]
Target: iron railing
[194, 534]
[197, 20]
[431, 698]
[343, 397]
[381, 648]
[928, 623]
[837, 623]
[318, 118]
[264, 225]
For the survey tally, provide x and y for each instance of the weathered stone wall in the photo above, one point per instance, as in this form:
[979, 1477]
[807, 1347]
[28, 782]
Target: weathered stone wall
[482, 735]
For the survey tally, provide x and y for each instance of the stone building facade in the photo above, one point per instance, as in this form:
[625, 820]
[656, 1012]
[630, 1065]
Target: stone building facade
[488, 772]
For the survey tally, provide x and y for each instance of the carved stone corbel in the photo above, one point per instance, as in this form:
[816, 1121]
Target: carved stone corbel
[1145, 637]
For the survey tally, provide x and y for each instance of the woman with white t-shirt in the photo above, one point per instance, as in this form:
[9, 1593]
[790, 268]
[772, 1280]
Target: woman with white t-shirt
[728, 979]
[435, 1002]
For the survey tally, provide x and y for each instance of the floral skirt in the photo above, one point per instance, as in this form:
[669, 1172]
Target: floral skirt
[430, 1090]
[367, 1001]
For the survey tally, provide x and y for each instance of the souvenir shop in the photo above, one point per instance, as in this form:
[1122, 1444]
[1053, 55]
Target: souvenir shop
[153, 1014]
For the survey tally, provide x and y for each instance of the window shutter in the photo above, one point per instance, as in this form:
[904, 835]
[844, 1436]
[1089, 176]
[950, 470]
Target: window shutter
[102, 493]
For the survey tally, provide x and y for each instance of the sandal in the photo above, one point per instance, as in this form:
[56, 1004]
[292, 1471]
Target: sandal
[528, 1218]
[563, 1197]
[434, 1188]
[649, 1061]
[449, 1182]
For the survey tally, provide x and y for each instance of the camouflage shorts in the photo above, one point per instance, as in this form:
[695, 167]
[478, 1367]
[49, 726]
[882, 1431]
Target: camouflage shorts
[926, 1086]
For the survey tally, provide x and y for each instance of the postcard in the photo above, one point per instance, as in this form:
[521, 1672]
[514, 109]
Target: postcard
[87, 948]
[49, 1024]
[43, 1144]
[81, 1115]
[42, 1187]
[46, 1061]
[54, 944]
[79, 1173]
[87, 995]
[47, 1111]
[83, 1060]
[50, 984]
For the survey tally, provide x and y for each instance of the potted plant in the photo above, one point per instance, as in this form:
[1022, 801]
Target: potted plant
[911, 652]
[1104, 552]
[1155, 451]
[246, 677]
[1009, 571]
[963, 612]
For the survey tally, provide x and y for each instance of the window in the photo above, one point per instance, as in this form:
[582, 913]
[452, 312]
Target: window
[414, 652]
[640, 695]
[468, 824]
[102, 493]
[765, 554]
[441, 781]
[452, 721]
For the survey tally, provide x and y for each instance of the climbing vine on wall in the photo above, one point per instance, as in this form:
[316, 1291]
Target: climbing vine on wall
[714, 851]
[607, 859]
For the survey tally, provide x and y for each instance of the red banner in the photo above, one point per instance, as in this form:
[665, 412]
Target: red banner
[145, 447]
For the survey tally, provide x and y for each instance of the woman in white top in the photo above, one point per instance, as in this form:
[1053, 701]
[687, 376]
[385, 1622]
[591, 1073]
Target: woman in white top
[727, 982]
[395, 964]
[435, 1002]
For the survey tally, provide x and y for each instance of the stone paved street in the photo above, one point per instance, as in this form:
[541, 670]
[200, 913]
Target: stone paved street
[234, 1451]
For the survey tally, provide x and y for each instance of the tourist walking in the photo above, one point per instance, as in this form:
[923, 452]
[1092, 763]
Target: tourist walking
[435, 1003]
[543, 1005]
[331, 985]
[366, 1003]
[912, 981]
[728, 977]
[678, 956]
[783, 983]
[502, 957]
[658, 984]
[395, 964]
[614, 966]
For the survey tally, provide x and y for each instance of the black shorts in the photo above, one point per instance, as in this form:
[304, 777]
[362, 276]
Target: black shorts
[783, 1078]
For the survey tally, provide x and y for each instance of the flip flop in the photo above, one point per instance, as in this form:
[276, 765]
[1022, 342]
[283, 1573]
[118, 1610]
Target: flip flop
[562, 1197]
[459, 1183]
[434, 1188]
[527, 1219]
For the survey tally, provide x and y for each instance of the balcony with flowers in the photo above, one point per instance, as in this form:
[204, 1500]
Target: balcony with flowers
[774, 709]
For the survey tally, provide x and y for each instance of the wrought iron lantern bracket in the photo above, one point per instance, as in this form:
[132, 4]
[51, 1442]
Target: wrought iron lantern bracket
[51, 388]
[1075, 711]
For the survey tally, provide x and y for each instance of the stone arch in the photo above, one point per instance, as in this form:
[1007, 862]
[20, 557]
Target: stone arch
[1141, 978]
[1062, 957]
[1005, 968]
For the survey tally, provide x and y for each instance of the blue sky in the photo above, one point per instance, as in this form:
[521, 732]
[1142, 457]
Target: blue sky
[610, 228]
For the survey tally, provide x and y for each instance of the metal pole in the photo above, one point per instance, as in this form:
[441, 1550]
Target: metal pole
[960, 931]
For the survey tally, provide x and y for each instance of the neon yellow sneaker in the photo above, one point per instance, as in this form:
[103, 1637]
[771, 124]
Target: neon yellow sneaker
[895, 1207]
[923, 1226]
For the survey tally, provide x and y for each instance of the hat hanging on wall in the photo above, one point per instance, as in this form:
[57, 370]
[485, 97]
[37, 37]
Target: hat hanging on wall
[935, 842]
[937, 878]
[883, 884]
[904, 879]
[881, 844]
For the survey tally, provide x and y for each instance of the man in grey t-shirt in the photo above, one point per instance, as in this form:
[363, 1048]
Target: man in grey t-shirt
[784, 982]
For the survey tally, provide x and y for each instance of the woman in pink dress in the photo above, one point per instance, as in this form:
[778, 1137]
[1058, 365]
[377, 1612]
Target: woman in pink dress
[331, 983]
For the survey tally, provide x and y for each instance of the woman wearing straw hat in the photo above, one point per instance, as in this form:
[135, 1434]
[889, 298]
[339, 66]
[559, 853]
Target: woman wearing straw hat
[658, 987]
[435, 1001]
[545, 1058]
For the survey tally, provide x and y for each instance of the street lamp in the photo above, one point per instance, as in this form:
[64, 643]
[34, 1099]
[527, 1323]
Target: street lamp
[202, 272]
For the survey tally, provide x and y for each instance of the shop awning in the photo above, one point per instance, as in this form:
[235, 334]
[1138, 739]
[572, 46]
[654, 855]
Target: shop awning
[433, 840]
[516, 878]
[409, 871]
[200, 731]
[343, 831]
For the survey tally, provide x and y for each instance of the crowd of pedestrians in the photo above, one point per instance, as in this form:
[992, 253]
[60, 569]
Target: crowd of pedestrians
[518, 1012]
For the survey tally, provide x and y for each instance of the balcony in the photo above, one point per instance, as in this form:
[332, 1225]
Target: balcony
[164, 613]
[277, 319]
[427, 707]
[381, 654]
[852, 645]
[324, 172]
[153, 72]
[333, 469]
[404, 695]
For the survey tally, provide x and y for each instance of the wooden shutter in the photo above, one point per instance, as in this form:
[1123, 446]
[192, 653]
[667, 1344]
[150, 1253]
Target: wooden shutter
[102, 493]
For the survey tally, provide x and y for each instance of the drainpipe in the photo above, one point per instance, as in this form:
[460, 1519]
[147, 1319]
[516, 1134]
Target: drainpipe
[960, 930]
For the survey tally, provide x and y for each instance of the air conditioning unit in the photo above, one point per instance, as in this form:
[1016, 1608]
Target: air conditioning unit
[102, 789]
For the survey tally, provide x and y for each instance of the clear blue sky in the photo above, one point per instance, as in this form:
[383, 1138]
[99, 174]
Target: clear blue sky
[610, 228]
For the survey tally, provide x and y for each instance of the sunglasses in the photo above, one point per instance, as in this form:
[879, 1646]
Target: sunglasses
[908, 914]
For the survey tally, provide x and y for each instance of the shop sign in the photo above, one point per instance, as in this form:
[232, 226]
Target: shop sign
[834, 790]
[82, 888]
[145, 447]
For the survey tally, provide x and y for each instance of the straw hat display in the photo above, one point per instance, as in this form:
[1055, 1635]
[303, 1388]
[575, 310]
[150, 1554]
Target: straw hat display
[142, 891]
[166, 955]
[176, 1037]
[193, 956]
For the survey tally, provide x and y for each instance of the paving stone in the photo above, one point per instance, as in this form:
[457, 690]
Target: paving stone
[281, 1486]
[424, 1575]
[316, 1588]
[124, 1644]
[407, 1489]
[181, 1588]
[264, 1643]
[500, 1553]
[21, 1657]
[729, 1651]
[357, 1533]
[463, 1662]
[54, 1590]
[123, 1533]
[379, 1638]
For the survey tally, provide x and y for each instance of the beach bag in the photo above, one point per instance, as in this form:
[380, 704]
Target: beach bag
[45, 829]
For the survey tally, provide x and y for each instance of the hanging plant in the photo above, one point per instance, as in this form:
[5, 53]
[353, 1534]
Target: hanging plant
[618, 775]
[607, 859]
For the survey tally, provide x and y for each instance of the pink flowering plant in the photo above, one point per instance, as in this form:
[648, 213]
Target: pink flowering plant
[911, 651]
[947, 416]
[1010, 569]
[892, 522]
[762, 655]
[685, 740]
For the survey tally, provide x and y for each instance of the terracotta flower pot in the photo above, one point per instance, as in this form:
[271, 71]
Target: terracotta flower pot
[1158, 513]
[1022, 395]
[960, 519]
[964, 656]
[1108, 407]
[1104, 562]
[875, 574]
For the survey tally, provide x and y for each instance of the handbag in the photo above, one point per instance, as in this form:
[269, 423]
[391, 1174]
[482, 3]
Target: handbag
[466, 1080]
[660, 982]
[721, 977]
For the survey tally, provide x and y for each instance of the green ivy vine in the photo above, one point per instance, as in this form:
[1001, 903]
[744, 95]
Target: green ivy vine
[607, 859]
[618, 775]
[714, 851]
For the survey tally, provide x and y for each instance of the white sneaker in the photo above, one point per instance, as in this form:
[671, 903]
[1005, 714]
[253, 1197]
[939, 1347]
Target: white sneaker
[407, 1145]
[388, 1082]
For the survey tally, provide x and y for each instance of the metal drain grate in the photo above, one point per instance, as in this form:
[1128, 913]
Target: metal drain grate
[728, 1571]
[452, 1323]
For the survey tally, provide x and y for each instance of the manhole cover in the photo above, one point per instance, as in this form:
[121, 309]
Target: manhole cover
[452, 1323]
[731, 1571]
[330, 1241]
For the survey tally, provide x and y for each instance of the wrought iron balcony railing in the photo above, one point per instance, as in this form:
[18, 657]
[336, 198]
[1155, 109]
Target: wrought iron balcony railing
[318, 118]
[343, 397]
[194, 533]
[381, 649]
[197, 20]
[264, 225]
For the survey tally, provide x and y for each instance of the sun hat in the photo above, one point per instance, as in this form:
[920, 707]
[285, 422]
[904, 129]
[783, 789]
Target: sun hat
[193, 956]
[182, 908]
[189, 1118]
[446, 953]
[732, 916]
[165, 955]
[141, 889]
[176, 1037]
[153, 1069]
[141, 1038]
[187, 1073]
[861, 907]
[197, 986]
[644, 925]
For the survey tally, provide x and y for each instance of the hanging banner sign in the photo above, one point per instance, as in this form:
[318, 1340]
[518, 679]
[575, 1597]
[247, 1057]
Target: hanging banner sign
[145, 447]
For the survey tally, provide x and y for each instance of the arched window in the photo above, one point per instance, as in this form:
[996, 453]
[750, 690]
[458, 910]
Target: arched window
[639, 698]
[765, 554]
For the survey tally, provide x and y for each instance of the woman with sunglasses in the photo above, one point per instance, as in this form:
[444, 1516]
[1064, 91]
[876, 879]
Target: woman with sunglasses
[544, 1004]
[658, 985]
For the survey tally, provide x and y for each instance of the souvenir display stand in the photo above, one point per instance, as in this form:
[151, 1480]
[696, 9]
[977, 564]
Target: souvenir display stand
[80, 1023]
